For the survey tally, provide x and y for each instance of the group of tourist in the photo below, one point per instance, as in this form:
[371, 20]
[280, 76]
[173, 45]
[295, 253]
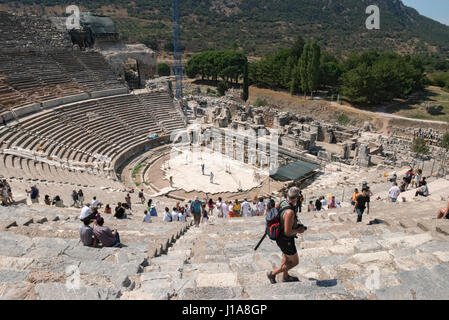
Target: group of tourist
[6, 193]
[430, 135]
[321, 203]
[201, 211]
[99, 234]
[77, 198]
[413, 178]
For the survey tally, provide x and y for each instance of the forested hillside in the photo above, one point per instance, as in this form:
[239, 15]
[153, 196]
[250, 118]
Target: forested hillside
[260, 27]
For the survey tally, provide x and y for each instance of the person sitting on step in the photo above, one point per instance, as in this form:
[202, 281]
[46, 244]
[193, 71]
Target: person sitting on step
[104, 235]
[443, 213]
[87, 233]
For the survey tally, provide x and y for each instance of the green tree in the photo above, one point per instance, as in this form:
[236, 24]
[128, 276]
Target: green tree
[309, 67]
[222, 87]
[445, 141]
[303, 67]
[298, 46]
[245, 93]
[163, 69]
[419, 146]
[375, 77]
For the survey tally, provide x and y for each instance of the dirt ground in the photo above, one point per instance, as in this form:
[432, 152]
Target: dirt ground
[330, 111]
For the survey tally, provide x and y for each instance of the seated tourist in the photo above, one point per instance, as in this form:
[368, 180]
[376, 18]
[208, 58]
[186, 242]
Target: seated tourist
[332, 203]
[318, 204]
[119, 211]
[393, 177]
[57, 202]
[167, 215]
[422, 182]
[107, 237]
[423, 190]
[4, 199]
[86, 213]
[182, 215]
[174, 214]
[153, 211]
[443, 213]
[187, 211]
[95, 203]
[394, 192]
[323, 202]
[95, 214]
[310, 206]
[128, 211]
[147, 217]
[107, 209]
[87, 233]
[47, 200]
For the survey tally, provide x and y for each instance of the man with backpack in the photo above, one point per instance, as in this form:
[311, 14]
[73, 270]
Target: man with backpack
[288, 227]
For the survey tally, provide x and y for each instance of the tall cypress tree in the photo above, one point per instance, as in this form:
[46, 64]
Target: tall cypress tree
[245, 93]
[314, 66]
[303, 66]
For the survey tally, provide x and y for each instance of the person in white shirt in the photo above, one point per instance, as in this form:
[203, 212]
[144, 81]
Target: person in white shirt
[246, 208]
[167, 215]
[182, 215]
[323, 202]
[147, 217]
[394, 192]
[224, 210]
[187, 211]
[219, 205]
[95, 203]
[254, 208]
[86, 211]
[261, 207]
[174, 215]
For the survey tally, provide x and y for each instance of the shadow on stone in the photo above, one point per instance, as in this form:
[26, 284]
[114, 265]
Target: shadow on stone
[326, 283]
[375, 221]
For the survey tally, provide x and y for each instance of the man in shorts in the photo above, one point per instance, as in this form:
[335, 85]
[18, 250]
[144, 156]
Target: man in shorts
[196, 211]
[286, 240]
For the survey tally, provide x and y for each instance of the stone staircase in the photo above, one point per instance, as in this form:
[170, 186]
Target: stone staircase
[337, 258]
[398, 252]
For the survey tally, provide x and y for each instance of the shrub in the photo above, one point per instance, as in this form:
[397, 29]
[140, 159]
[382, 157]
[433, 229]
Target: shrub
[163, 69]
[343, 119]
[260, 102]
[419, 146]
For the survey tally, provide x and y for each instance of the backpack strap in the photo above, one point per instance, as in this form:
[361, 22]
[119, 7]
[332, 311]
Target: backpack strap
[283, 207]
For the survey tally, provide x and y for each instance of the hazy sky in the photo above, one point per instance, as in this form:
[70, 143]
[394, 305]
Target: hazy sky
[435, 9]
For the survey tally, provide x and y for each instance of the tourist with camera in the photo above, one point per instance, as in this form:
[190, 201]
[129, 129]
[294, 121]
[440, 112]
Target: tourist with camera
[289, 228]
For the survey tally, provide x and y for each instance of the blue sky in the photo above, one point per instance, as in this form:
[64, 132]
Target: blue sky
[435, 9]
